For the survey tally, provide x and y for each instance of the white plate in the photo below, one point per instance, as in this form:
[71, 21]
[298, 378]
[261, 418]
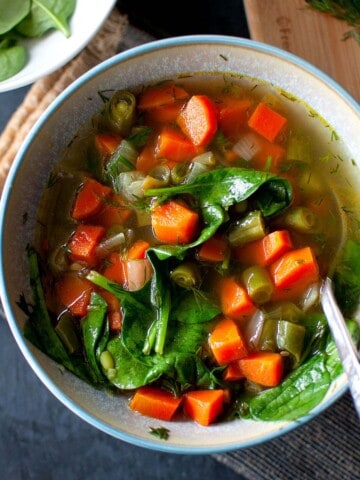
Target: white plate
[52, 51]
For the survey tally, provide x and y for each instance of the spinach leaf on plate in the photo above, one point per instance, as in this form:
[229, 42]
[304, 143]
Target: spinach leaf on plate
[45, 15]
[12, 60]
[12, 13]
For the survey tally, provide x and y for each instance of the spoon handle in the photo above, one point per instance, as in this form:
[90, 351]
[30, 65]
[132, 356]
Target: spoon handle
[346, 348]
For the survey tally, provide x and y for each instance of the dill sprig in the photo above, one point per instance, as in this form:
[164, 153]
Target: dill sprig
[345, 10]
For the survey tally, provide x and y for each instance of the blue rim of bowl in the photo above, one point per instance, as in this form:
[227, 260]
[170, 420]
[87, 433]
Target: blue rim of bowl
[10, 314]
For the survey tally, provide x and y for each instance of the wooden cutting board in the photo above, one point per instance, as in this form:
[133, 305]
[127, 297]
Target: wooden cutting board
[312, 35]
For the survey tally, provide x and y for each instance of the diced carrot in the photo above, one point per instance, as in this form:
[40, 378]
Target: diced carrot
[154, 402]
[233, 372]
[83, 243]
[164, 113]
[268, 156]
[267, 122]
[89, 199]
[113, 212]
[137, 250]
[74, 293]
[234, 299]
[227, 342]
[174, 223]
[198, 120]
[213, 250]
[264, 251]
[232, 115]
[174, 145]
[106, 143]
[293, 272]
[166, 94]
[114, 312]
[264, 368]
[115, 269]
[204, 406]
[147, 159]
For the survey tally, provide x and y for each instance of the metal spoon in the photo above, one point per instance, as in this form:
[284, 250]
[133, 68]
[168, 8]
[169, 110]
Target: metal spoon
[346, 348]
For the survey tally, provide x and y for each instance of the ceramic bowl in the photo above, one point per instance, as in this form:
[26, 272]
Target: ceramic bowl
[51, 134]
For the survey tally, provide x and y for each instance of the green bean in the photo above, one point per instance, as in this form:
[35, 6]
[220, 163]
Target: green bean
[285, 311]
[290, 337]
[258, 284]
[267, 340]
[206, 158]
[247, 229]
[301, 219]
[186, 275]
[66, 331]
[179, 172]
[118, 114]
[106, 360]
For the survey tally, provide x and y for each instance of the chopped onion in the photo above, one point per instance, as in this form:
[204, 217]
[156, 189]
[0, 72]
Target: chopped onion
[130, 184]
[254, 329]
[311, 297]
[137, 273]
[110, 244]
[248, 146]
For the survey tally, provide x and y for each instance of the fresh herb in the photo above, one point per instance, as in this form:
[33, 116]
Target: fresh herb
[345, 10]
[28, 19]
[160, 432]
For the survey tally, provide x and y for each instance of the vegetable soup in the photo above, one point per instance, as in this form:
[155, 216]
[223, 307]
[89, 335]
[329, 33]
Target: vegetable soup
[181, 245]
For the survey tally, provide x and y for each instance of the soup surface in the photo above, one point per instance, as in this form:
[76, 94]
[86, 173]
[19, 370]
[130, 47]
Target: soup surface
[182, 241]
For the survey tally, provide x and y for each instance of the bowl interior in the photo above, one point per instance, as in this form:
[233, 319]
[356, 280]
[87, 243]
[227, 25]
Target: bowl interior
[50, 136]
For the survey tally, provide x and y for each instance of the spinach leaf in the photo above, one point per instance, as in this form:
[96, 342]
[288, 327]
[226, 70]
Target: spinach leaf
[39, 328]
[12, 60]
[12, 13]
[346, 278]
[296, 396]
[194, 307]
[93, 327]
[216, 191]
[45, 15]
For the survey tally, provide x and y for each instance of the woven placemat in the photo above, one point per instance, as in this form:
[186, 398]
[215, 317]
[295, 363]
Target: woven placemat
[327, 448]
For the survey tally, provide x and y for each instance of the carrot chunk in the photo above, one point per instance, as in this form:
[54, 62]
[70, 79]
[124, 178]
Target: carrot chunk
[115, 269]
[204, 406]
[233, 372]
[267, 122]
[264, 368]
[74, 293]
[154, 402]
[227, 342]
[264, 251]
[198, 120]
[106, 143]
[164, 113]
[234, 299]
[137, 250]
[293, 272]
[174, 223]
[114, 312]
[83, 243]
[175, 146]
[113, 212]
[213, 250]
[232, 115]
[160, 95]
[89, 199]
